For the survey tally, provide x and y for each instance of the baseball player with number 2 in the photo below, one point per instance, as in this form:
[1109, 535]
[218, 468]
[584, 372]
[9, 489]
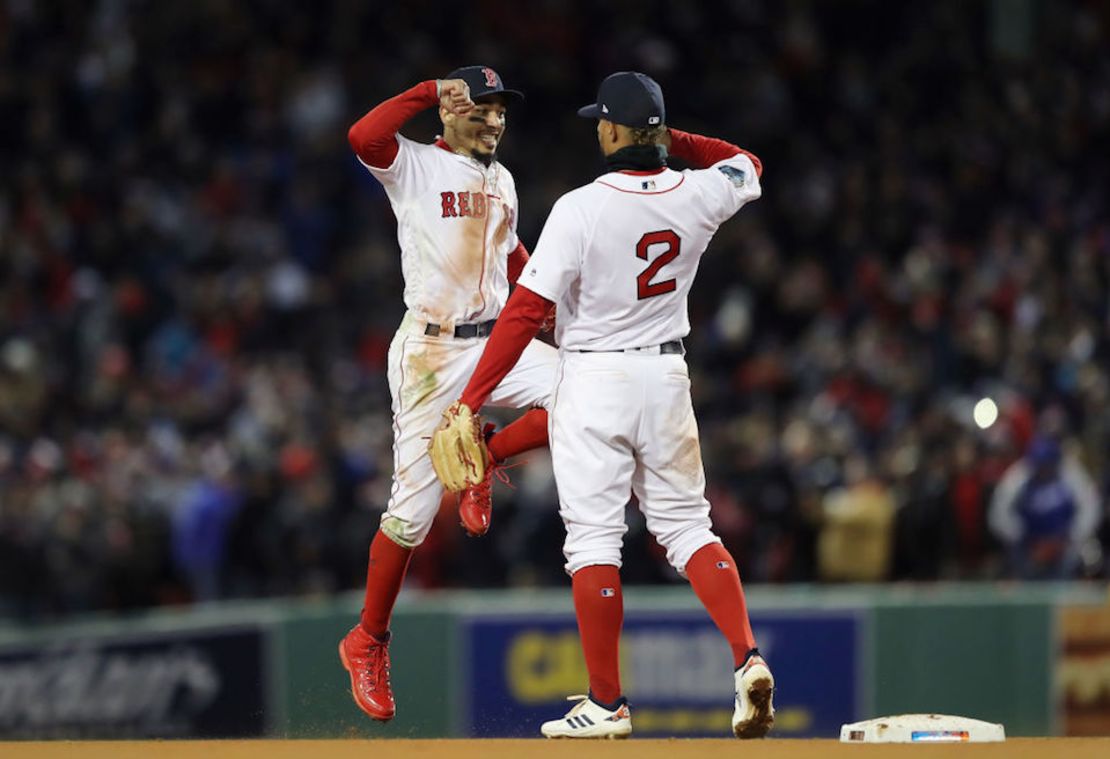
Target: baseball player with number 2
[456, 209]
[618, 256]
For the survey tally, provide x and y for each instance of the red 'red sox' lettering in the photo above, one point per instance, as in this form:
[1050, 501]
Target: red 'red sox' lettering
[464, 203]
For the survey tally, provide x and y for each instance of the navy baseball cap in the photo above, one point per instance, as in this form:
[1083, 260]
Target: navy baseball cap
[482, 81]
[629, 98]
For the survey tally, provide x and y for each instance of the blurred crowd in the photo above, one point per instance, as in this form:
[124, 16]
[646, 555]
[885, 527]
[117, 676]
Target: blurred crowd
[899, 354]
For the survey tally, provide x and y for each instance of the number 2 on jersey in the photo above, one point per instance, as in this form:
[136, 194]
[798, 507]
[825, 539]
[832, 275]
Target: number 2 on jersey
[645, 288]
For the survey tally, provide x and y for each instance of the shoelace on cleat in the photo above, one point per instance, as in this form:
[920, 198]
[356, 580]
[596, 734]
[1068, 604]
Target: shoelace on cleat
[376, 663]
[501, 472]
[579, 706]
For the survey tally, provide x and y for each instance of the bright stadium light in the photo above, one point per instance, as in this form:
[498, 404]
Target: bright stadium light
[985, 413]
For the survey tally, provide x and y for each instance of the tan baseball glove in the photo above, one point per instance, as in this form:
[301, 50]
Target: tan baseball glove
[458, 449]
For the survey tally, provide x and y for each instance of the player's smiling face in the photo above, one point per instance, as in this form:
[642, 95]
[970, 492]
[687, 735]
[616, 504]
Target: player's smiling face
[479, 132]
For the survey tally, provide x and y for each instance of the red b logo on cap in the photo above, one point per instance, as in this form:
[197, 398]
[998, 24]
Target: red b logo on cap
[491, 77]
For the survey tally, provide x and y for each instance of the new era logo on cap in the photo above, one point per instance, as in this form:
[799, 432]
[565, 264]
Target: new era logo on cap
[629, 98]
[608, 592]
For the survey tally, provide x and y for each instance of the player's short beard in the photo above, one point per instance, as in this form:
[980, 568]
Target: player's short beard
[486, 159]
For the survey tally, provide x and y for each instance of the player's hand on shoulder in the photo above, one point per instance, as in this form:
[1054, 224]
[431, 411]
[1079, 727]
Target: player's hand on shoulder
[454, 95]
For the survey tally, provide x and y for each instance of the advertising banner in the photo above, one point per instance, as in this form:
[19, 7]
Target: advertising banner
[676, 671]
[1083, 670]
[188, 684]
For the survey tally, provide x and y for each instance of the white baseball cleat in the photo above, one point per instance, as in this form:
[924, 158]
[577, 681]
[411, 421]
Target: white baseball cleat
[755, 688]
[588, 719]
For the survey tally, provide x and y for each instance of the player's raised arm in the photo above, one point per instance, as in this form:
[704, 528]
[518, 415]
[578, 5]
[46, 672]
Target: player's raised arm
[374, 136]
[702, 152]
[735, 181]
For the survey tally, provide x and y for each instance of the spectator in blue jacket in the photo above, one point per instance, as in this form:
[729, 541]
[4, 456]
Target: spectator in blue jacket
[1045, 510]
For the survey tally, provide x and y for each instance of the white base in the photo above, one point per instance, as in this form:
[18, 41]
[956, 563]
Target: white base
[922, 728]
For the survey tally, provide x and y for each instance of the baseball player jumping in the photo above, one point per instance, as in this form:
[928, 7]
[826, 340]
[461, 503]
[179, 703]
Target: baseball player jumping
[619, 256]
[456, 209]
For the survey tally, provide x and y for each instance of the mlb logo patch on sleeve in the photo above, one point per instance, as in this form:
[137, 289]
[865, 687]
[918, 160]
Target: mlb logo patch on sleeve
[737, 176]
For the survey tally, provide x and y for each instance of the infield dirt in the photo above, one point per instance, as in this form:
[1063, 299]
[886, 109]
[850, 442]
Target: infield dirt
[1018, 748]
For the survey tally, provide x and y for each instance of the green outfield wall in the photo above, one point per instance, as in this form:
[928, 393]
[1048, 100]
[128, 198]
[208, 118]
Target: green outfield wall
[493, 662]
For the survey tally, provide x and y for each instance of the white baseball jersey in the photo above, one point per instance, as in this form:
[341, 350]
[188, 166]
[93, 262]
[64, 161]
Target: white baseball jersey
[456, 225]
[619, 255]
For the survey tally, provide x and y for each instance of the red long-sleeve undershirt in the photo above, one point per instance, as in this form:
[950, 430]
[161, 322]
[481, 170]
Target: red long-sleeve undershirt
[517, 260]
[518, 323]
[374, 136]
[702, 152]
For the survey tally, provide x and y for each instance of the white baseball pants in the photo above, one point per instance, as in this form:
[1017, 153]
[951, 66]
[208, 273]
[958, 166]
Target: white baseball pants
[624, 423]
[426, 375]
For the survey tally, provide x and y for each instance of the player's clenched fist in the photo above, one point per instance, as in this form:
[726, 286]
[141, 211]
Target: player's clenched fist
[457, 448]
[454, 96]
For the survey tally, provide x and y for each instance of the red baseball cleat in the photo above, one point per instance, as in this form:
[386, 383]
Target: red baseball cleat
[366, 659]
[476, 505]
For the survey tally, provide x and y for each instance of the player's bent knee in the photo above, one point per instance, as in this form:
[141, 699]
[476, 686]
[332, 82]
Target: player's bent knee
[583, 559]
[402, 532]
[683, 545]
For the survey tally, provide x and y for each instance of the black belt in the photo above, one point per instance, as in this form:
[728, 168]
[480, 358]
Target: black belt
[671, 346]
[462, 331]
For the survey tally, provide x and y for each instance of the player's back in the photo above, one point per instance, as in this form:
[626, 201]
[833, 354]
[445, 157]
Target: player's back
[627, 248]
